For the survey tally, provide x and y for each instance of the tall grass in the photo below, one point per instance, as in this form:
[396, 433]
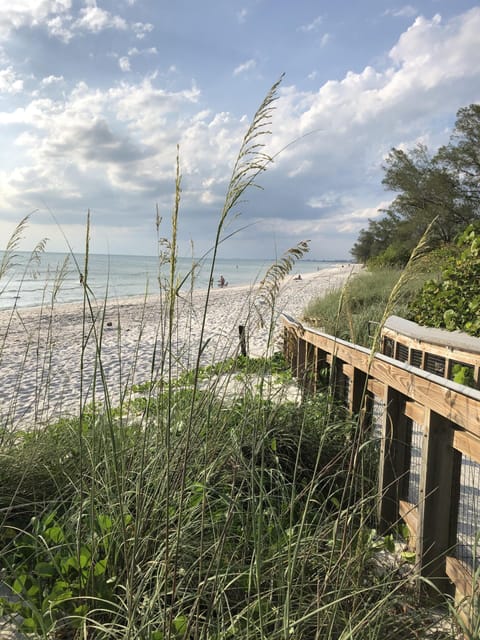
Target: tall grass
[349, 313]
[176, 509]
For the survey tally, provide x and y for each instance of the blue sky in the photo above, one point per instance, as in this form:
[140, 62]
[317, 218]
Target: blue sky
[95, 96]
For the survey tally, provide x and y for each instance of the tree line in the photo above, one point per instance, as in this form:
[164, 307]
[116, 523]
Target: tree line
[444, 187]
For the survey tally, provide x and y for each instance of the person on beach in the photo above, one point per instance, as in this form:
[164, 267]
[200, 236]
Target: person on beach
[299, 277]
[221, 282]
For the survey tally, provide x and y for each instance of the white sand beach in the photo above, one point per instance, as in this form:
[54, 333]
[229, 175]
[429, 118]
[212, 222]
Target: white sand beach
[50, 360]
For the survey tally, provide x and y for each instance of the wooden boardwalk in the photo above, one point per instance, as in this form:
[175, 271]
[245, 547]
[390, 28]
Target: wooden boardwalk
[429, 431]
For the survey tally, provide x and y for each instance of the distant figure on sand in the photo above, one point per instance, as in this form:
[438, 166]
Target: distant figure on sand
[221, 282]
[299, 277]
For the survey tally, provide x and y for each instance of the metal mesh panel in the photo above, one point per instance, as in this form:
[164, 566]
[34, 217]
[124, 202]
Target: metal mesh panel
[388, 347]
[415, 463]
[402, 352]
[416, 358]
[378, 411]
[435, 364]
[468, 525]
[346, 382]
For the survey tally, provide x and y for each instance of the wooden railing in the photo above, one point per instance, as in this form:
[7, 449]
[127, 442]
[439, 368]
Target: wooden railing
[429, 431]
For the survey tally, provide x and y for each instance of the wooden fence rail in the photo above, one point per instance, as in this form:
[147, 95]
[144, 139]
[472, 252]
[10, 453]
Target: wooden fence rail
[429, 431]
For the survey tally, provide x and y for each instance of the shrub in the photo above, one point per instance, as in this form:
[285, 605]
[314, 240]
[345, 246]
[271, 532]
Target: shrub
[453, 300]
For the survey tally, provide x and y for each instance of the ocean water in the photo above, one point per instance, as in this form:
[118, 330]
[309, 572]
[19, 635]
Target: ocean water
[28, 283]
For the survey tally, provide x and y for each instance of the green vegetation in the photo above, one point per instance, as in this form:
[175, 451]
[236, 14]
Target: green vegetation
[443, 188]
[266, 532]
[352, 313]
[452, 301]
[185, 512]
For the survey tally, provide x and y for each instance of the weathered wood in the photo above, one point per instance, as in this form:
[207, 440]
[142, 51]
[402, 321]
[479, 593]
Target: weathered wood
[457, 403]
[309, 375]
[376, 387]
[435, 535]
[347, 370]
[357, 392]
[460, 575]
[301, 358]
[242, 335]
[449, 414]
[467, 444]
[415, 411]
[409, 514]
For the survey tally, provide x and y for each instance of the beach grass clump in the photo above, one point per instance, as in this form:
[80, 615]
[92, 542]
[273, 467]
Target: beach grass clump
[264, 535]
[350, 313]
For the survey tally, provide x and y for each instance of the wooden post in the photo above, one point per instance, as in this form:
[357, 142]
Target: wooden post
[243, 339]
[322, 367]
[394, 459]
[438, 500]
[291, 348]
[309, 382]
[301, 360]
[357, 391]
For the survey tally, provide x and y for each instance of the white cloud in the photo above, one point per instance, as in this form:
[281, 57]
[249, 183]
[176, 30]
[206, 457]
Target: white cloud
[327, 200]
[407, 11]
[303, 167]
[311, 26]
[56, 17]
[244, 67]
[60, 27]
[140, 29]
[52, 80]
[325, 39]
[124, 63]
[95, 19]
[10, 82]
[137, 52]
[122, 139]
[29, 13]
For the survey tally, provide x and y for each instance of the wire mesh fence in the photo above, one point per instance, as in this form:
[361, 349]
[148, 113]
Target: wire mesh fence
[468, 522]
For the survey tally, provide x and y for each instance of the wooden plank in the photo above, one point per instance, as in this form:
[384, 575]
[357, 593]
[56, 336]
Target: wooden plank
[409, 513]
[301, 358]
[460, 575]
[438, 394]
[347, 370]
[357, 402]
[436, 533]
[415, 411]
[467, 444]
[310, 371]
[376, 387]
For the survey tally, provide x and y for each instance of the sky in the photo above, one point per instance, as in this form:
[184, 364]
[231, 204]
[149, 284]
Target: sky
[97, 98]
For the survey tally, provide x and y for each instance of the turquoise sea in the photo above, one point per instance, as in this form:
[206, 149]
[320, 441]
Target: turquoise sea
[30, 283]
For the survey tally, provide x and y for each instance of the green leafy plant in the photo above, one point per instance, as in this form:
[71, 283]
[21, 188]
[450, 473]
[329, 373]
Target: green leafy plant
[452, 302]
[54, 579]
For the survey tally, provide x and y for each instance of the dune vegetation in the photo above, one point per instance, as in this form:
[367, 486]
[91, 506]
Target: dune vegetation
[188, 511]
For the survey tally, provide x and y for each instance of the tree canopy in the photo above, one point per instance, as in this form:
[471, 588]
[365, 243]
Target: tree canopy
[444, 187]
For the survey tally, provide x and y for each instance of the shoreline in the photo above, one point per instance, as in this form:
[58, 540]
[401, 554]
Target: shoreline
[50, 363]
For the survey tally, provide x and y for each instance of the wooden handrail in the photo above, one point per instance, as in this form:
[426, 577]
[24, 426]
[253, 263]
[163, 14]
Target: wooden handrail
[448, 415]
